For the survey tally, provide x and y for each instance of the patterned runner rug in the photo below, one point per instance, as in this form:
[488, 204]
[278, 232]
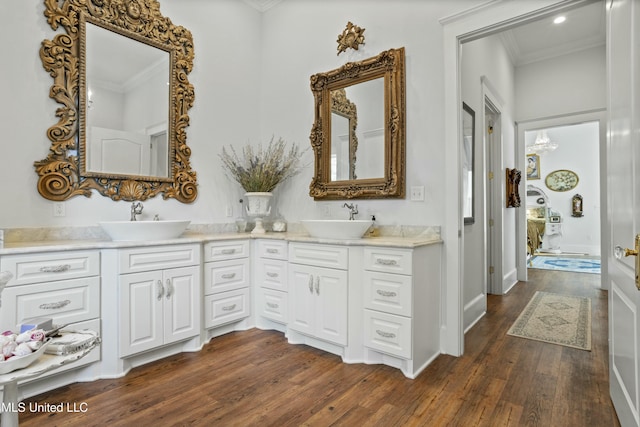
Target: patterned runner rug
[556, 319]
[578, 265]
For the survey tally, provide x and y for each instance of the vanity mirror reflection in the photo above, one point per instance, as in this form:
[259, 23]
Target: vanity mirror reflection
[120, 73]
[360, 115]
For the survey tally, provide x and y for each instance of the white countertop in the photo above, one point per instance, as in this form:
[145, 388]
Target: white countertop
[23, 247]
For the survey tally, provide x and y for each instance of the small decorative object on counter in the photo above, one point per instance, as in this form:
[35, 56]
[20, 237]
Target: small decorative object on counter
[18, 351]
[241, 225]
[279, 225]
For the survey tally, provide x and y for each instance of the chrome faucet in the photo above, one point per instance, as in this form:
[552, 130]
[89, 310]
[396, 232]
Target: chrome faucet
[136, 209]
[353, 210]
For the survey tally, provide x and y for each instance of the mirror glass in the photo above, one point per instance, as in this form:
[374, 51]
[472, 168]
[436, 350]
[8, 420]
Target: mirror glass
[367, 139]
[127, 91]
[360, 147]
[468, 146]
[120, 76]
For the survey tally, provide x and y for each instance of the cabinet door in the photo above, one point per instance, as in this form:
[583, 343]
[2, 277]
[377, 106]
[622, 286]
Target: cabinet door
[331, 294]
[141, 301]
[302, 299]
[181, 303]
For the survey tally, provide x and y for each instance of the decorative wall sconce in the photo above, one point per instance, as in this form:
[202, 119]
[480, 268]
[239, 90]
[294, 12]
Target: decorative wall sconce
[513, 182]
[352, 37]
[576, 206]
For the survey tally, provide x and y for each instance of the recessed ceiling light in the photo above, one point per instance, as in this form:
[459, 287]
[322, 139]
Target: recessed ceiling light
[559, 20]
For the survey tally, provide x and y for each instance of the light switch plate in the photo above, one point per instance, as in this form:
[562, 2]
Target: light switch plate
[417, 193]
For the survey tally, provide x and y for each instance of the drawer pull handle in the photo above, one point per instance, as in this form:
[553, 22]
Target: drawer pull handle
[160, 290]
[272, 251]
[311, 283]
[317, 285]
[54, 305]
[383, 261]
[229, 276]
[170, 288]
[228, 251]
[386, 293]
[384, 334]
[272, 274]
[228, 307]
[272, 305]
[55, 268]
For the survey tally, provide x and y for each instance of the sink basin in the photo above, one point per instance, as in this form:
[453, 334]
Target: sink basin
[336, 228]
[144, 230]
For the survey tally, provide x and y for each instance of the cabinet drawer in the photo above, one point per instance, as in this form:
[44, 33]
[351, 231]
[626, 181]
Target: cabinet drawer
[65, 301]
[271, 273]
[319, 255]
[275, 249]
[227, 249]
[158, 258]
[272, 305]
[388, 260]
[390, 293]
[224, 276]
[46, 267]
[226, 307]
[388, 333]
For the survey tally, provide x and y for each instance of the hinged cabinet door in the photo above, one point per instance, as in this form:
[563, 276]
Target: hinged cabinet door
[181, 308]
[301, 307]
[331, 305]
[141, 308]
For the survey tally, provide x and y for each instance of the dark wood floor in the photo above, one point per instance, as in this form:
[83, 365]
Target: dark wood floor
[255, 378]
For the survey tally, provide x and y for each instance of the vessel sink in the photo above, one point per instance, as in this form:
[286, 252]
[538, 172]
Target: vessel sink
[144, 230]
[336, 228]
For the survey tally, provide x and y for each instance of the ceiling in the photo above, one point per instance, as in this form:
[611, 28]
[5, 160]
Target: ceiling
[584, 28]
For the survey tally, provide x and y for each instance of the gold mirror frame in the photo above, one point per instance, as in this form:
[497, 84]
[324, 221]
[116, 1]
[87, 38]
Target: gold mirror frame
[59, 173]
[390, 66]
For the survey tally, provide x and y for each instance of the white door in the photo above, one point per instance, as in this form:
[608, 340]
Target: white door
[623, 216]
[119, 152]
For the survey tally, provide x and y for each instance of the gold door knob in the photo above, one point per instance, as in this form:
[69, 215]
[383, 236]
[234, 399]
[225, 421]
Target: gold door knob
[619, 252]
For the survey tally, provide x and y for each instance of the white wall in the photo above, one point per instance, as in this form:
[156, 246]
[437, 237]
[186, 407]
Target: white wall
[251, 78]
[226, 111]
[563, 85]
[486, 57]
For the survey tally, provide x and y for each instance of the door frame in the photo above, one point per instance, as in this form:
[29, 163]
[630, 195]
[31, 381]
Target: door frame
[600, 116]
[474, 23]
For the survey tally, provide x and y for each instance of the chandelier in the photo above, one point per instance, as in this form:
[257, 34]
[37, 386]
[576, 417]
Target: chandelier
[542, 145]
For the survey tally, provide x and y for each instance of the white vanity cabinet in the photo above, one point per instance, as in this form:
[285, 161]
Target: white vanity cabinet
[271, 281]
[318, 286]
[160, 296]
[401, 291]
[61, 285]
[227, 276]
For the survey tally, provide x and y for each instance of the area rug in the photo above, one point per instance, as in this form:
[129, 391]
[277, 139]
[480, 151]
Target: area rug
[577, 265]
[556, 319]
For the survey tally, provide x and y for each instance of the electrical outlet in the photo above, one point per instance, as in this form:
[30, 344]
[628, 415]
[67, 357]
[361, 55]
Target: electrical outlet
[229, 211]
[59, 209]
[417, 193]
[326, 211]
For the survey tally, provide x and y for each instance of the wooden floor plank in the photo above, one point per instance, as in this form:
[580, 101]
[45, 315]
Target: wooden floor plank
[255, 377]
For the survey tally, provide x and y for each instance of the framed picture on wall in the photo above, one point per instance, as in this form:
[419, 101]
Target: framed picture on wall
[533, 166]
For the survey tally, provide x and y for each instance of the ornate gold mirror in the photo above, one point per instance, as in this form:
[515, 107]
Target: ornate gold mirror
[120, 73]
[360, 114]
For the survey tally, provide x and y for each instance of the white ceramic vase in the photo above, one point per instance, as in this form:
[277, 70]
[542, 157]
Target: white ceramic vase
[258, 207]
